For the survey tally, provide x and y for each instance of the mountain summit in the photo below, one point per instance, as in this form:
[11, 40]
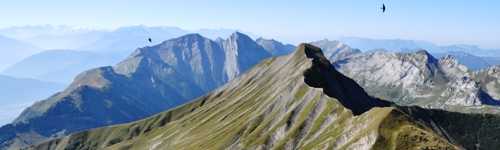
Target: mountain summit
[241, 54]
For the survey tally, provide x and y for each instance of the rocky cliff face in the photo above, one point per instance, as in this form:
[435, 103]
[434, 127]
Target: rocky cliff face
[150, 80]
[241, 54]
[489, 79]
[415, 79]
[275, 105]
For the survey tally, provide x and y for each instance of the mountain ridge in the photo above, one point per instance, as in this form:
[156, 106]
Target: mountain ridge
[245, 114]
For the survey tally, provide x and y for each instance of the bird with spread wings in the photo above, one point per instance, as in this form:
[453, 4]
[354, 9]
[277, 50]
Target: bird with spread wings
[383, 8]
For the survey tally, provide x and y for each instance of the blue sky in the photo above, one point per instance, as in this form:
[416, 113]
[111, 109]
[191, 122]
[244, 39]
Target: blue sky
[443, 21]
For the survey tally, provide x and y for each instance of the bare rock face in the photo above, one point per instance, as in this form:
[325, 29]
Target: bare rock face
[241, 54]
[463, 92]
[489, 79]
[415, 78]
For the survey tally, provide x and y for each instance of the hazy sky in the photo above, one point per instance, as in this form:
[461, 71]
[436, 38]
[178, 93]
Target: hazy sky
[440, 21]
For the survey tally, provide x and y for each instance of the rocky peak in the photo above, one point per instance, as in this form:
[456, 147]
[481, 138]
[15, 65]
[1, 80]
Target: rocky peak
[238, 36]
[241, 53]
[452, 68]
[323, 75]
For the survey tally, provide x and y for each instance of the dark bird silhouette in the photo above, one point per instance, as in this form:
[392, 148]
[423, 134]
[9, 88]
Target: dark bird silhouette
[149, 39]
[383, 8]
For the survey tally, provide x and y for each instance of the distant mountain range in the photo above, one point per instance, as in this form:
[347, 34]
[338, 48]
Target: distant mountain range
[114, 45]
[470, 55]
[77, 49]
[68, 37]
[399, 45]
[17, 94]
[298, 101]
[150, 80]
[393, 45]
[53, 37]
[57, 65]
[12, 51]
[173, 72]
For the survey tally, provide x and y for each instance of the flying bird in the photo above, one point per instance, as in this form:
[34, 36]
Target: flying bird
[383, 8]
[149, 39]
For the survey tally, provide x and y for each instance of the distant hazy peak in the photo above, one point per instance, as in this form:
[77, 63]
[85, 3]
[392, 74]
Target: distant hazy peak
[274, 47]
[335, 50]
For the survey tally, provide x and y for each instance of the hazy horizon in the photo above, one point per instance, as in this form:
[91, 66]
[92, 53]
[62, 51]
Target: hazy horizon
[251, 34]
[443, 22]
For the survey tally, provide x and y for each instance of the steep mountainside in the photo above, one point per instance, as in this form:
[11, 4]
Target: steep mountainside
[150, 80]
[12, 50]
[275, 105]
